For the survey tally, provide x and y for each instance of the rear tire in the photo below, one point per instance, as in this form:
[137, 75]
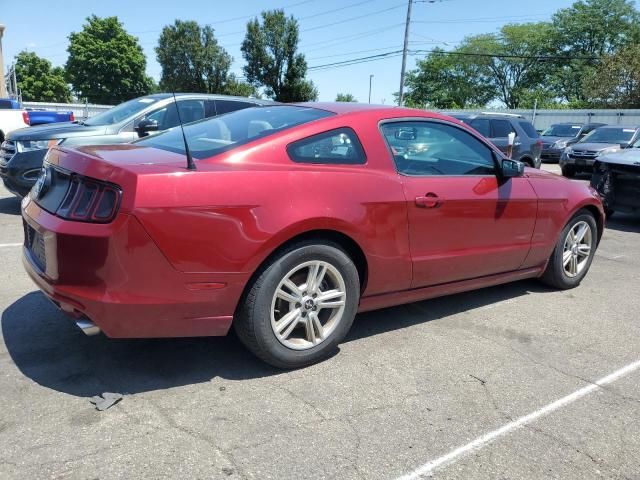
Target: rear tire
[568, 172]
[300, 305]
[571, 260]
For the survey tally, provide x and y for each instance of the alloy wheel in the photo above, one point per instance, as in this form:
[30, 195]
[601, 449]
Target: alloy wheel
[577, 249]
[308, 305]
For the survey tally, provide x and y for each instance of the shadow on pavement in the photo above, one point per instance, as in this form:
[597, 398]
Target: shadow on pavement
[395, 318]
[48, 348]
[624, 223]
[10, 205]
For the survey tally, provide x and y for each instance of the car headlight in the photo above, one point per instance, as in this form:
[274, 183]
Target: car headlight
[568, 150]
[31, 145]
[608, 150]
[560, 144]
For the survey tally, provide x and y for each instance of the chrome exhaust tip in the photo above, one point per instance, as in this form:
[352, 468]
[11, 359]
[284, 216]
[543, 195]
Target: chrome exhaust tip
[88, 327]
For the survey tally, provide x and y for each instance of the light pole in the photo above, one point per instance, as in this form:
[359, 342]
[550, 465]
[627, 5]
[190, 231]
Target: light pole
[370, 79]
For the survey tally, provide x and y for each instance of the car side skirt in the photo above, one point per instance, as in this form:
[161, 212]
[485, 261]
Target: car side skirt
[376, 302]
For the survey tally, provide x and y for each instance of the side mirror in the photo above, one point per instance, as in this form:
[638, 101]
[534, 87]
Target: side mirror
[145, 126]
[511, 168]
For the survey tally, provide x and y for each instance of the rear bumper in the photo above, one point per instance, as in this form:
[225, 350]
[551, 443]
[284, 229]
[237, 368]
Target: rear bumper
[116, 276]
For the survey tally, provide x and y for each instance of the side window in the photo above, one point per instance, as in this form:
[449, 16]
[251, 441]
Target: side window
[340, 146]
[501, 128]
[482, 126]
[529, 129]
[432, 148]
[226, 106]
[167, 116]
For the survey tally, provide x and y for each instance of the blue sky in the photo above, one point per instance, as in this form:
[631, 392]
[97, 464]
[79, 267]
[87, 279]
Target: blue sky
[329, 31]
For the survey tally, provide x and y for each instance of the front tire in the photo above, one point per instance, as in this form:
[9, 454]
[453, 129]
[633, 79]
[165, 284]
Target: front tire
[300, 306]
[573, 254]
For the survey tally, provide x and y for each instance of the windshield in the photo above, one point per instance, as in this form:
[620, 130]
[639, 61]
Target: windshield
[610, 135]
[216, 135]
[562, 131]
[121, 112]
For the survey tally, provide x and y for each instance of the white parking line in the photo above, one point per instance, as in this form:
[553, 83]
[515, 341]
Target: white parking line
[430, 467]
[10, 245]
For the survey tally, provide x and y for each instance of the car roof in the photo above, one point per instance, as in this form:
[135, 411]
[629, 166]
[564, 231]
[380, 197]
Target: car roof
[212, 96]
[490, 115]
[609, 127]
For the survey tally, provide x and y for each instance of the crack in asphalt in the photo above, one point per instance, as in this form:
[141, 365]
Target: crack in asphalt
[174, 425]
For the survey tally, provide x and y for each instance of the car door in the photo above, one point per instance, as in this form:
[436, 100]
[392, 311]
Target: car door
[464, 221]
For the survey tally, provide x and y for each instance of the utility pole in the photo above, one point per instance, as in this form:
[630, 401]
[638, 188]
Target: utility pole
[3, 88]
[370, 78]
[404, 54]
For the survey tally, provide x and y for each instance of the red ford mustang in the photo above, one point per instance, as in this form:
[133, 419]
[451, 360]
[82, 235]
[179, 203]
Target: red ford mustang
[295, 218]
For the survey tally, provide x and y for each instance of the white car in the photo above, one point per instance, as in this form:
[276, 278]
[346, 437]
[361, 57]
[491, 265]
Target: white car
[12, 119]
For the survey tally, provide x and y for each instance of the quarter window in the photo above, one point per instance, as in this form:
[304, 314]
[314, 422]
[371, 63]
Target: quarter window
[501, 128]
[431, 149]
[340, 146]
[482, 126]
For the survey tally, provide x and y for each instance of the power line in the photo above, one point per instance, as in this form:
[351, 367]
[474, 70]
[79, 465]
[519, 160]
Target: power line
[394, 53]
[485, 19]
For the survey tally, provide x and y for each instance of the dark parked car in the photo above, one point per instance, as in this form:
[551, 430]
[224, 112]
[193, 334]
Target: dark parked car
[616, 177]
[22, 152]
[581, 156]
[291, 218]
[560, 135]
[497, 127]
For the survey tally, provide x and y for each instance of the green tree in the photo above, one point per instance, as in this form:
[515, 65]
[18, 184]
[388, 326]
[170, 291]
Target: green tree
[345, 97]
[269, 49]
[106, 64]
[615, 83]
[509, 60]
[234, 86]
[448, 81]
[589, 28]
[191, 59]
[38, 81]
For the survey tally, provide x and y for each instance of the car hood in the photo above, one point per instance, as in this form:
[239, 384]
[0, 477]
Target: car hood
[553, 139]
[629, 157]
[55, 131]
[598, 147]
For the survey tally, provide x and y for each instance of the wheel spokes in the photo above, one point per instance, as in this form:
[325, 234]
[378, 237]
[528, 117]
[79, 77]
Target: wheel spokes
[584, 250]
[582, 231]
[288, 322]
[566, 258]
[315, 276]
[330, 299]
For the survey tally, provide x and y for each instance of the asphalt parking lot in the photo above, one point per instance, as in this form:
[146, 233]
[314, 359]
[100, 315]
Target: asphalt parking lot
[458, 387]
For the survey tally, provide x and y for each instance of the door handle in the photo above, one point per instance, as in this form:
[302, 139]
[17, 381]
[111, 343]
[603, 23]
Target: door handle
[430, 200]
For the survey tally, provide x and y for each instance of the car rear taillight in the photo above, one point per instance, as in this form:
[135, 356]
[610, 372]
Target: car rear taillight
[89, 200]
[72, 118]
[25, 117]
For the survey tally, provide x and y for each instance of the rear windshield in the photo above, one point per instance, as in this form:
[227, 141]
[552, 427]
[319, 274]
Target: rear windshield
[610, 135]
[562, 131]
[529, 129]
[220, 134]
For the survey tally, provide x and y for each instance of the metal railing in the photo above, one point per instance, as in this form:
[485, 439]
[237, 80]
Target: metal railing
[543, 119]
[80, 110]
